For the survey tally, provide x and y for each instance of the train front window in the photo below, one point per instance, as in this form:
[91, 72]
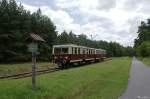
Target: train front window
[61, 50]
[57, 50]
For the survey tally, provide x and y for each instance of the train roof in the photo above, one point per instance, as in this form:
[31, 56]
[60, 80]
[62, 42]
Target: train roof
[66, 45]
[74, 45]
[70, 45]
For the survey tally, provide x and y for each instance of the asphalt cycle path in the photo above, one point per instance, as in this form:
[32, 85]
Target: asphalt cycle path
[139, 82]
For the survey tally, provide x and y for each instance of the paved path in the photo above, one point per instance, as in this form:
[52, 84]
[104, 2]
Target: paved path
[139, 82]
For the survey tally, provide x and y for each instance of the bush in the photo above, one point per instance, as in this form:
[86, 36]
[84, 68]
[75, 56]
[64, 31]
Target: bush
[144, 49]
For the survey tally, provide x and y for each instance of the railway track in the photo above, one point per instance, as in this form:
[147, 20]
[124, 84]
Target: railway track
[38, 72]
[29, 74]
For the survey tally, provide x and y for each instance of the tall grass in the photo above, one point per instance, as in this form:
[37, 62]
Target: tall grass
[145, 60]
[10, 69]
[105, 80]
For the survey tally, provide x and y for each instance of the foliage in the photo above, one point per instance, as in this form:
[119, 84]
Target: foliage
[142, 42]
[144, 49]
[113, 48]
[96, 81]
[143, 33]
[145, 60]
[15, 24]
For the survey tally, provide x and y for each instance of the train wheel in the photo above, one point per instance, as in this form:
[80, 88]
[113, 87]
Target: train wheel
[95, 61]
[67, 65]
[71, 64]
[79, 63]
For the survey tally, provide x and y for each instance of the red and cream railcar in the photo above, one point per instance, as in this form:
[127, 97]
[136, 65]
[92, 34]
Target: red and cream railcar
[63, 55]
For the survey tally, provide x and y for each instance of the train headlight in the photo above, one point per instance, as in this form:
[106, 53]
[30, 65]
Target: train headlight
[66, 57]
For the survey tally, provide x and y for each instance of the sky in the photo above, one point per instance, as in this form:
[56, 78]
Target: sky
[109, 20]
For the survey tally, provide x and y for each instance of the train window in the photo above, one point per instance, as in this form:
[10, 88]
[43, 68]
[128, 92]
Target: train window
[57, 50]
[72, 51]
[99, 52]
[94, 52]
[75, 51]
[78, 50]
[83, 51]
[61, 50]
[64, 50]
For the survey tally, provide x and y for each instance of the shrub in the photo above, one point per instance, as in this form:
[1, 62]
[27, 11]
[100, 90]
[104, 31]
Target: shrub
[144, 49]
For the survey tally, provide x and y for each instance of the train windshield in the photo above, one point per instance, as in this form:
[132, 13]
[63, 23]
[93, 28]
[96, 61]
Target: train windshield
[61, 50]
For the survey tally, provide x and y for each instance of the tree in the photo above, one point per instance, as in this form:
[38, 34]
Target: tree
[63, 38]
[142, 41]
[143, 33]
[15, 24]
[144, 49]
[112, 48]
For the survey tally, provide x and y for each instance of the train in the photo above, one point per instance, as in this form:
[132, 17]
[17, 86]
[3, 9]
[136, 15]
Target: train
[66, 55]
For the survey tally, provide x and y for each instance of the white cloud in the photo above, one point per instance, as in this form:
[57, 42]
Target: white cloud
[30, 8]
[65, 4]
[110, 20]
[62, 20]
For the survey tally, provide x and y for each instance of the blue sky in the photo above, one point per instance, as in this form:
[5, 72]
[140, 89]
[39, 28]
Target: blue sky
[109, 20]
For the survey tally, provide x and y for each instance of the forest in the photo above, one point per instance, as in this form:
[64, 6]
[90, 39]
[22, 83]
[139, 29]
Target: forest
[16, 23]
[142, 43]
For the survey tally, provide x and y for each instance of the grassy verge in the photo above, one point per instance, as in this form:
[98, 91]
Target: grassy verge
[10, 69]
[145, 60]
[105, 80]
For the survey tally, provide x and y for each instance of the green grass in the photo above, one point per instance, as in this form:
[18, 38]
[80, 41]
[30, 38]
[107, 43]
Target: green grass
[10, 69]
[105, 80]
[145, 60]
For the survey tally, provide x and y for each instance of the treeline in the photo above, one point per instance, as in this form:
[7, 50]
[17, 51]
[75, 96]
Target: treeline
[15, 24]
[142, 43]
[113, 49]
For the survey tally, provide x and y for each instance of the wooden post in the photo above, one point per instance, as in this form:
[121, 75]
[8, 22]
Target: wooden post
[33, 48]
[33, 71]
